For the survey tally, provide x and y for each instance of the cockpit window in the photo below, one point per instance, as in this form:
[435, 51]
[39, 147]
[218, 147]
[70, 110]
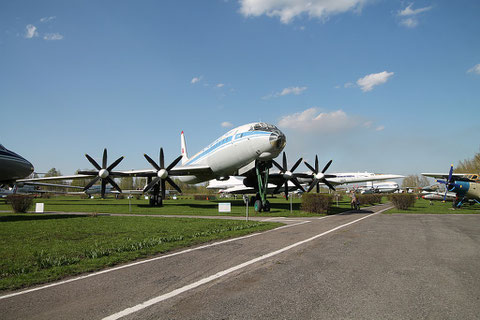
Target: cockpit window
[261, 126]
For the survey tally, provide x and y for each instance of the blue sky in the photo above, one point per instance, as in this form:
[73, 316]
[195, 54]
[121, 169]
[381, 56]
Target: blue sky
[384, 86]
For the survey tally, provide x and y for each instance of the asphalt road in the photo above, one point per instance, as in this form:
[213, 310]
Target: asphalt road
[399, 266]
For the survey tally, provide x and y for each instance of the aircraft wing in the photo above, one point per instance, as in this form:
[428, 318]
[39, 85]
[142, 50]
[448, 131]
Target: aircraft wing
[375, 177]
[179, 171]
[457, 176]
[72, 177]
[193, 170]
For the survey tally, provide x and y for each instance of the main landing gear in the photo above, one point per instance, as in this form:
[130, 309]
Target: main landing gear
[155, 199]
[260, 202]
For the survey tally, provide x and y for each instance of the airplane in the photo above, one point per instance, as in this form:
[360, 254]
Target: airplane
[244, 185]
[383, 187]
[439, 196]
[250, 147]
[13, 167]
[465, 185]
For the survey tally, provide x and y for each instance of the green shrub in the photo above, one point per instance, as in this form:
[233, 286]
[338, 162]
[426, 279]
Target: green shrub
[369, 199]
[402, 201]
[20, 203]
[316, 203]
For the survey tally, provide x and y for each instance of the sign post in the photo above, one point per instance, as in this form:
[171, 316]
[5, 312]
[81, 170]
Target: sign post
[245, 199]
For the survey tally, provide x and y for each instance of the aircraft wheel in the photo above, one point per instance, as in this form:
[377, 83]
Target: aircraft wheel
[258, 206]
[266, 206]
[252, 200]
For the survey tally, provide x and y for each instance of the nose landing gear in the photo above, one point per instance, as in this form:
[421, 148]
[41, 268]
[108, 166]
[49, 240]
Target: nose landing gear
[260, 200]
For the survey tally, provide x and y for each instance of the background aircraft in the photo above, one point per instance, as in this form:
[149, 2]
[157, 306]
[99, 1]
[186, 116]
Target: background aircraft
[383, 187]
[466, 186]
[291, 181]
[12, 167]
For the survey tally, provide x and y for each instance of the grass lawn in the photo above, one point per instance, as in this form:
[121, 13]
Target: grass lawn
[424, 206]
[182, 206]
[38, 248]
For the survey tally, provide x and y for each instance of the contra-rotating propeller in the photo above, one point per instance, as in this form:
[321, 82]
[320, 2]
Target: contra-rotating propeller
[103, 173]
[287, 175]
[320, 177]
[162, 173]
[447, 183]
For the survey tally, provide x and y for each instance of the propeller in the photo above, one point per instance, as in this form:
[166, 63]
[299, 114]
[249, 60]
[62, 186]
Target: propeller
[103, 173]
[320, 176]
[447, 183]
[287, 175]
[162, 173]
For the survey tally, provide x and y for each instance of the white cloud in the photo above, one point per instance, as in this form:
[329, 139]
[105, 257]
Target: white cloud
[474, 69]
[409, 22]
[286, 91]
[220, 85]
[348, 85]
[196, 79]
[412, 20]
[287, 10]
[408, 11]
[380, 128]
[52, 36]
[31, 31]
[311, 120]
[369, 81]
[227, 124]
[47, 19]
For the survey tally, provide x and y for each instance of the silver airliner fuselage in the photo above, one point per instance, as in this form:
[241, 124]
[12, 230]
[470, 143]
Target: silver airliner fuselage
[13, 166]
[237, 148]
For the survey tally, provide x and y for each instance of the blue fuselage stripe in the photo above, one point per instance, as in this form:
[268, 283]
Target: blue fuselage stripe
[220, 144]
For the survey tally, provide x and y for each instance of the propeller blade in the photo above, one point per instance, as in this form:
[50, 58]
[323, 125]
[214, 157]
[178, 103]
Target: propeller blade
[151, 184]
[93, 162]
[445, 195]
[163, 189]
[277, 188]
[318, 187]
[450, 174]
[441, 181]
[173, 184]
[285, 167]
[91, 183]
[174, 163]
[316, 164]
[310, 167]
[153, 163]
[286, 190]
[310, 187]
[113, 165]
[296, 165]
[326, 166]
[104, 159]
[297, 184]
[93, 173]
[104, 184]
[328, 184]
[114, 184]
[162, 159]
[275, 163]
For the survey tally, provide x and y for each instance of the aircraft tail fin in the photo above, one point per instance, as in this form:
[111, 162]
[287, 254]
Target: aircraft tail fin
[184, 148]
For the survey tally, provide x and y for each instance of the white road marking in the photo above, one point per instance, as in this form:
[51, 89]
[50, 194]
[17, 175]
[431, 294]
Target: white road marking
[220, 274]
[145, 261]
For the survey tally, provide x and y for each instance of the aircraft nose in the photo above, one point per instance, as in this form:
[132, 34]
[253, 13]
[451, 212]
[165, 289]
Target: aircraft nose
[278, 140]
